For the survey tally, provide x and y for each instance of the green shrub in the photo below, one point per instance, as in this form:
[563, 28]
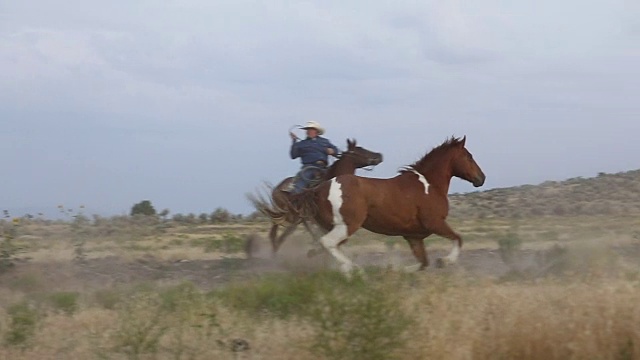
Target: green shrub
[108, 298]
[350, 318]
[228, 244]
[508, 246]
[368, 323]
[64, 301]
[8, 249]
[140, 325]
[283, 295]
[23, 321]
[181, 318]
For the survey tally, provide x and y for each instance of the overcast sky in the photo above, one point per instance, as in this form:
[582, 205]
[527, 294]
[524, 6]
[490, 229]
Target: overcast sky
[188, 103]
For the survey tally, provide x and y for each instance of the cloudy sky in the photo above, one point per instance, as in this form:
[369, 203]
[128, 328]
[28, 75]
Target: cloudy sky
[188, 103]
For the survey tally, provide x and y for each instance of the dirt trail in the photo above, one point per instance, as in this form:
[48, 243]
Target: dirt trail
[115, 271]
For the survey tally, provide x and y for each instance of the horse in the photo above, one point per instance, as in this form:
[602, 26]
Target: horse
[413, 204]
[355, 157]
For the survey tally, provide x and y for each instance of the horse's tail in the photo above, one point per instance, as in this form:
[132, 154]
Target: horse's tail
[286, 209]
[278, 212]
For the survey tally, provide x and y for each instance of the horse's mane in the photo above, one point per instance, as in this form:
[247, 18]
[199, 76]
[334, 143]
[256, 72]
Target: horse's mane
[435, 152]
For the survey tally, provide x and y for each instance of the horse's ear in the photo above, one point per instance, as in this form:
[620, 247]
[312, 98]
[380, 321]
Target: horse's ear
[464, 140]
[350, 144]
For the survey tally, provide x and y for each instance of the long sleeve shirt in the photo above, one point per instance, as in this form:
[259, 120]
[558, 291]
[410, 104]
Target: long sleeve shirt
[311, 150]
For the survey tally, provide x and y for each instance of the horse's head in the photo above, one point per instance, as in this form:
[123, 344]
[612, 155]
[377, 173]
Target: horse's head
[360, 156]
[464, 166]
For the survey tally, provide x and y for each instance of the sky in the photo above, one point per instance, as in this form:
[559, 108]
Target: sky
[188, 103]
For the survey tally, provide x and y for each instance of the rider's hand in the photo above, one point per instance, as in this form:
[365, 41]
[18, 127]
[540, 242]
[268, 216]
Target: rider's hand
[330, 151]
[293, 136]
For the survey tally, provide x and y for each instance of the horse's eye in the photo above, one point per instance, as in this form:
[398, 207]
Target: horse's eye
[470, 157]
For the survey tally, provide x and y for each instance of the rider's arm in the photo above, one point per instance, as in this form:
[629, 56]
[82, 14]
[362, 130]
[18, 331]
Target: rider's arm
[332, 147]
[295, 149]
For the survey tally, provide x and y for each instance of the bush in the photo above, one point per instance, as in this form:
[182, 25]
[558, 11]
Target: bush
[22, 324]
[66, 302]
[180, 317]
[282, 296]
[349, 317]
[220, 216]
[229, 244]
[143, 208]
[348, 325]
[108, 298]
[509, 245]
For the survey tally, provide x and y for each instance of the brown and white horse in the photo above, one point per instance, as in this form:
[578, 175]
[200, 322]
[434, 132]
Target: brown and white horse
[355, 157]
[413, 204]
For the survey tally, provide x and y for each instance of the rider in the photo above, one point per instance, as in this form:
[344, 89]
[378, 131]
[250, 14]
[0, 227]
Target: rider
[314, 152]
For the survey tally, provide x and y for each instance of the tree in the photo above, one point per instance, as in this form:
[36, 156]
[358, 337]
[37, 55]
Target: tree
[203, 218]
[164, 213]
[143, 208]
[220, 215]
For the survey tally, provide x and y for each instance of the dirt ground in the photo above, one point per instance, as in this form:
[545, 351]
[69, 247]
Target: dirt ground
[96, 273]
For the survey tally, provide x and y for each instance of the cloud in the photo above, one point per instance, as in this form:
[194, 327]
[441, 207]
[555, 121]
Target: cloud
[163, 88]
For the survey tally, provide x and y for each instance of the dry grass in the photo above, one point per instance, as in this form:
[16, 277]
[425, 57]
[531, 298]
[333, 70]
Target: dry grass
[545, 320]
[582, 306]
[454, 318]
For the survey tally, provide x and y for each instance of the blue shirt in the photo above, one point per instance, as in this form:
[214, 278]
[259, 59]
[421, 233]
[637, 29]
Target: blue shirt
[312, 150]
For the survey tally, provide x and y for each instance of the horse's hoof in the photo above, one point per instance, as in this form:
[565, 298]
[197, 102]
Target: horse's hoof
[412, 268]
[441, 263]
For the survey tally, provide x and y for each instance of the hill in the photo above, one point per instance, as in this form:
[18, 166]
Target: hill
[605, 194]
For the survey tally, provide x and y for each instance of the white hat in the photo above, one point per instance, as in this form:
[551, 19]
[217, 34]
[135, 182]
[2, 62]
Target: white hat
[313, 125]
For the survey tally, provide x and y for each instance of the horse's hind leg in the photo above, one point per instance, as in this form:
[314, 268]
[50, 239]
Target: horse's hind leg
[317, 250]
[420, 253]
[276, 241]
[273, 236]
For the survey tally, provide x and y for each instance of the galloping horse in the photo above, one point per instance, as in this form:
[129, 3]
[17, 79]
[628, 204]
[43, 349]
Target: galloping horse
[353, 158]
[413, 204]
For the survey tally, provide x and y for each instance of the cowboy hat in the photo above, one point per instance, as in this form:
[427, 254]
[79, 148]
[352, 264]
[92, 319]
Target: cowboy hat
[313, 125]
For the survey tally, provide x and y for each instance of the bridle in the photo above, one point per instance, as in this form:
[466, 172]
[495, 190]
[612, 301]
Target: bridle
[352, 153]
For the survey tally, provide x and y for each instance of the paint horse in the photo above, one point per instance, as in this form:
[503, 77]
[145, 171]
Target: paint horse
[413, 204]
[355, 157]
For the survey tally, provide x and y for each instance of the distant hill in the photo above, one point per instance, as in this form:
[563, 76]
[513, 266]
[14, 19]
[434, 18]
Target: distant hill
[605, 194]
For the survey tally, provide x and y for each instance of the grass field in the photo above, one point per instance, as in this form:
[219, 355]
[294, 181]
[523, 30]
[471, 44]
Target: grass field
[533, 288]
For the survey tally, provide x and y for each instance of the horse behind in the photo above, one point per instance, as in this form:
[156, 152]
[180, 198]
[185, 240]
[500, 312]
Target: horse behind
[355, 157]
[413, 204]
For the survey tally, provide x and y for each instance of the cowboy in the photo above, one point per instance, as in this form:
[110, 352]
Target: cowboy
[314, 152]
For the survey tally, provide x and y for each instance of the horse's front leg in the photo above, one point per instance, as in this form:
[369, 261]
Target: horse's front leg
[443, 229]
[419, 252]
[317, 247]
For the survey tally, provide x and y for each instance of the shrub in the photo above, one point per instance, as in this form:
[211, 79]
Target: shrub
[349, 317]
[23, 320]
[180, 318]
[66, 302]
[282, 296]
[108, 298]
[509, 245]
[350, 324]
[228, 244]
[140, 325]
[143, 208]
[220, 216]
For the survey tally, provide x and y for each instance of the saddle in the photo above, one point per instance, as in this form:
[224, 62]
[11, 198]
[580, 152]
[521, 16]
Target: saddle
[311, 176]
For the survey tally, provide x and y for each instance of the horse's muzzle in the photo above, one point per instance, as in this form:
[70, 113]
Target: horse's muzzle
[376, 160]
[479, 180]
